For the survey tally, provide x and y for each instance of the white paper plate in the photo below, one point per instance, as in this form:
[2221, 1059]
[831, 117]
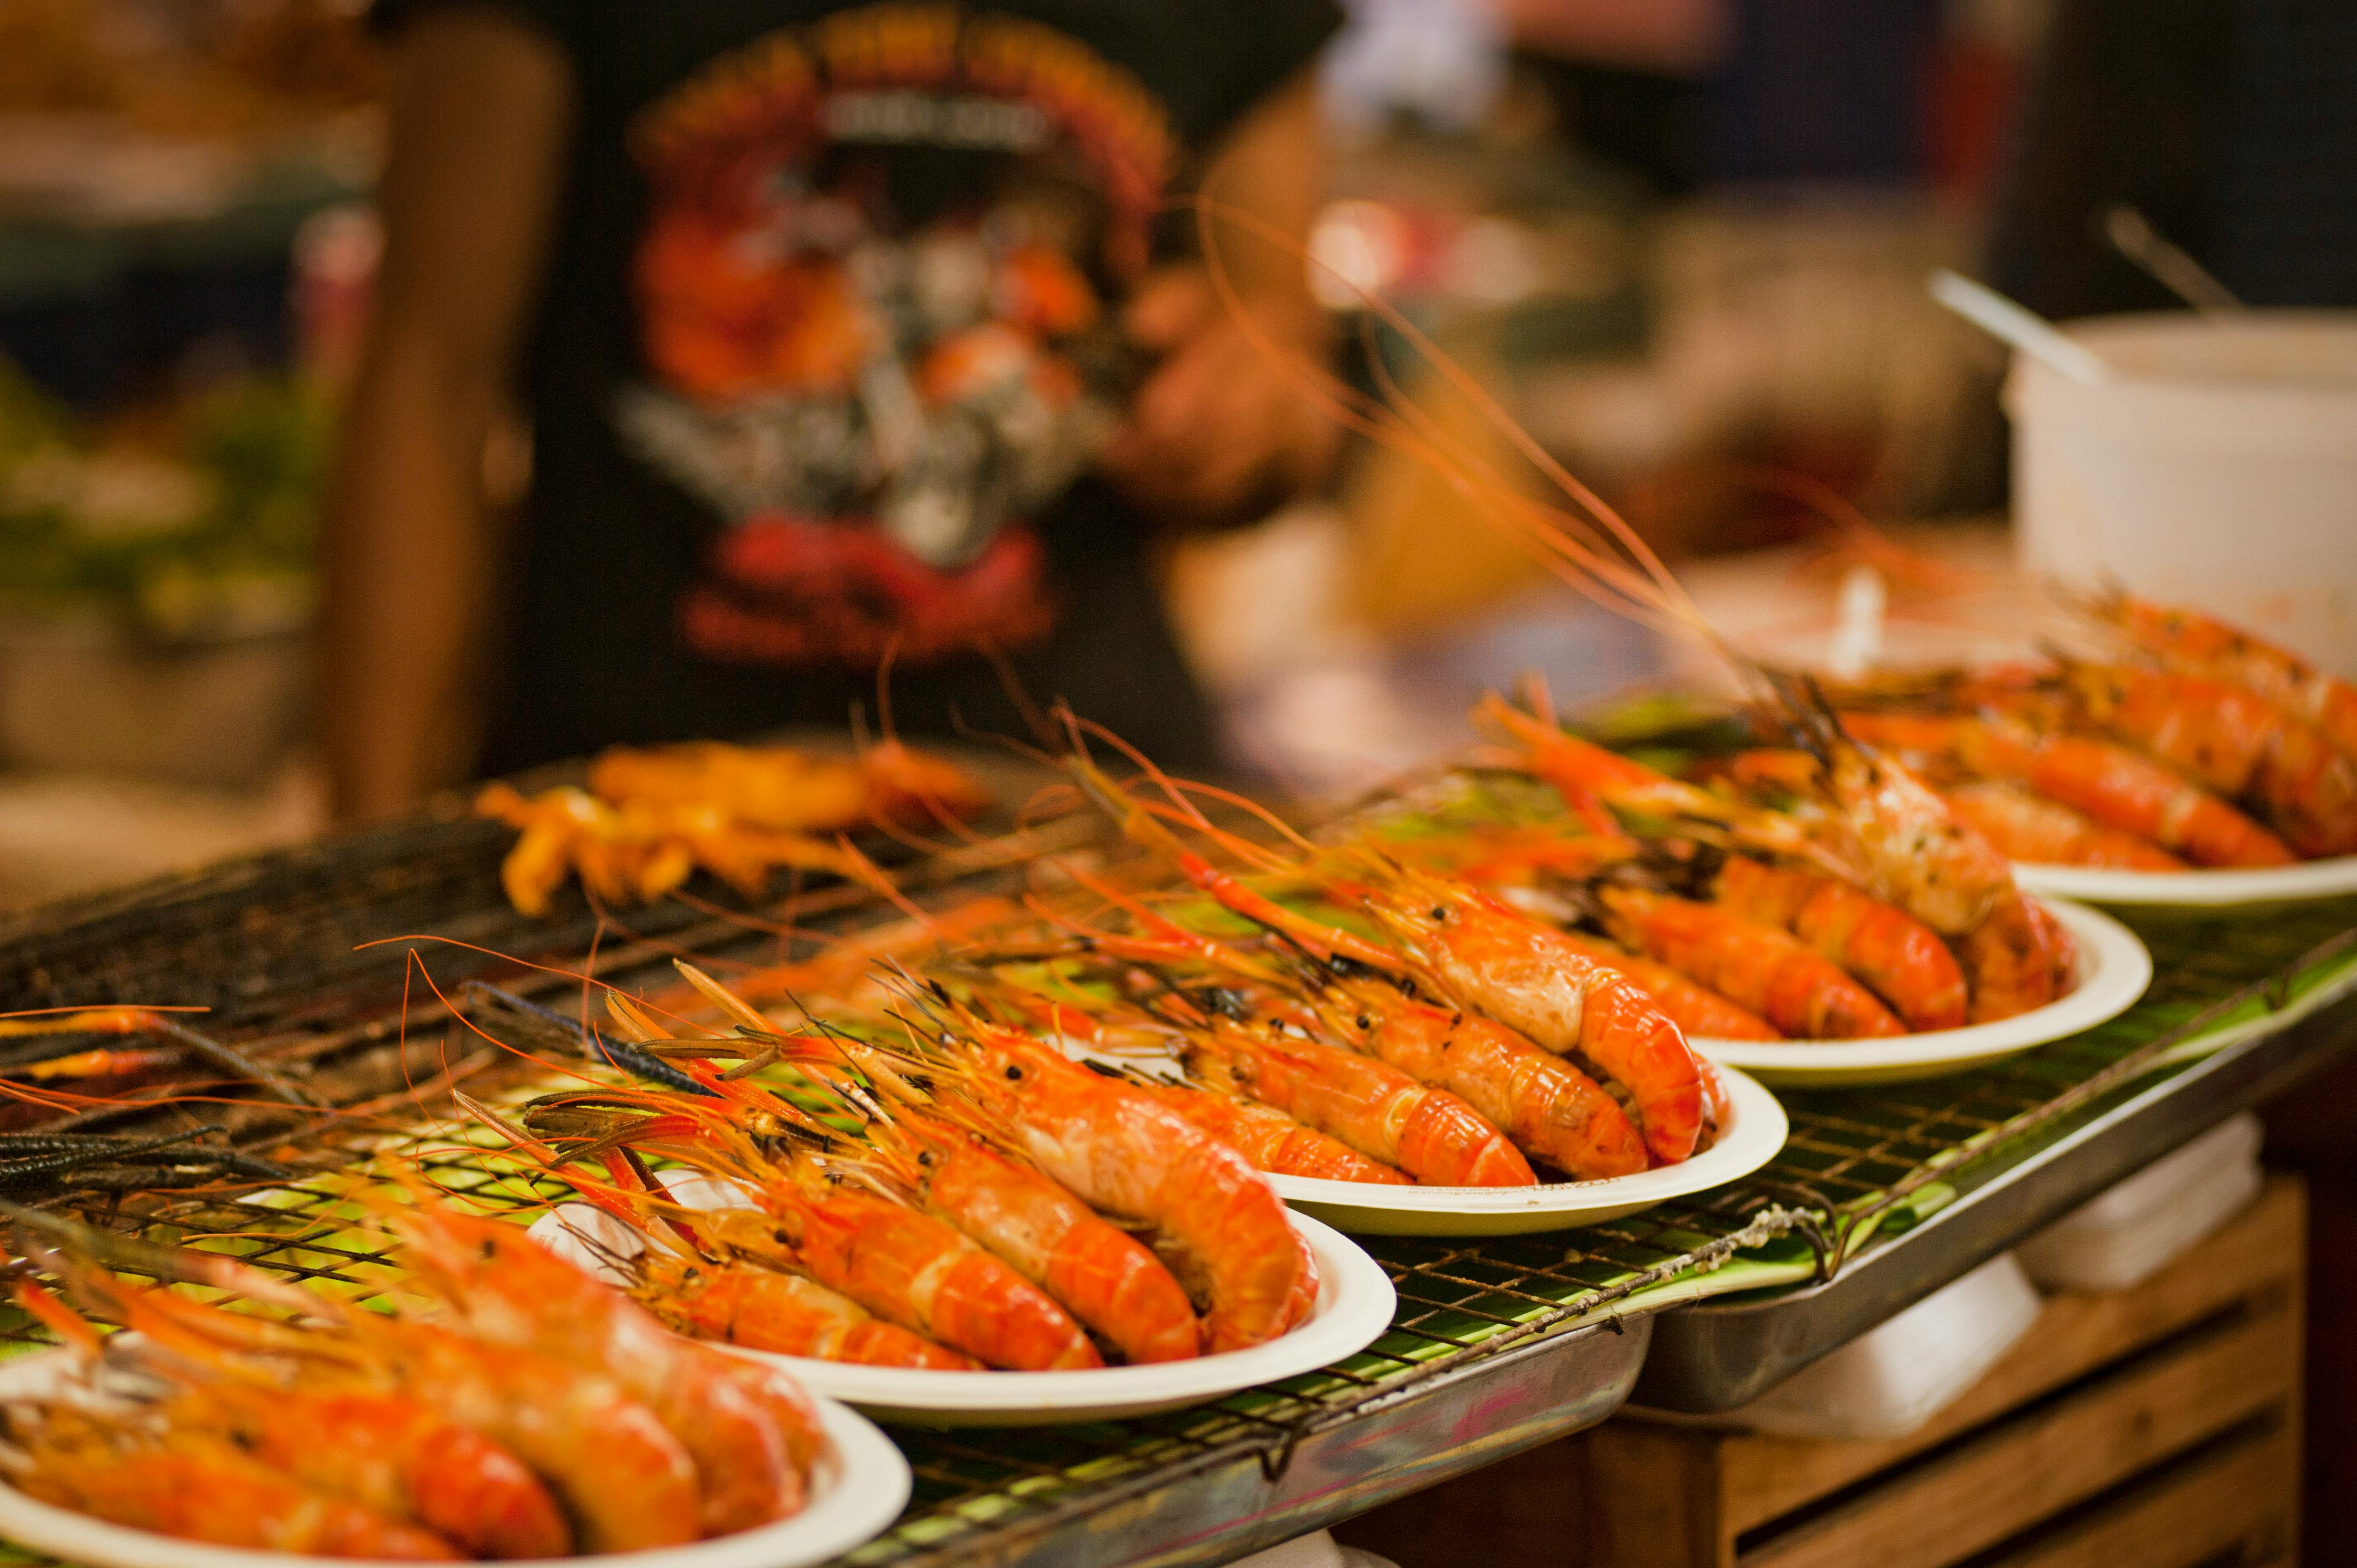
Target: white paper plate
[1755, 1131]
[1354, 1306]
[2274, 884]
[857, 1489]
[2114, 970]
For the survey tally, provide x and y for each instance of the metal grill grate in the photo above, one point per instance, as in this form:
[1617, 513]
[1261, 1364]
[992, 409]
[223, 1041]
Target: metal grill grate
[1459, 1300]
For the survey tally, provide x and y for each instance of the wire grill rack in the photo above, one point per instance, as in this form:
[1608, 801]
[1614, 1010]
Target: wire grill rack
[1862, 1164]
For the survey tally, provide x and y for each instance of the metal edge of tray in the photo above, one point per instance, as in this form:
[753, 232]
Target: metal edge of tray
[1229, 1503]
[1713, 1356]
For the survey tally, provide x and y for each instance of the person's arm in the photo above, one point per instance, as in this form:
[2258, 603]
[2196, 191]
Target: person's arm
[481, 111]
[1217, 434]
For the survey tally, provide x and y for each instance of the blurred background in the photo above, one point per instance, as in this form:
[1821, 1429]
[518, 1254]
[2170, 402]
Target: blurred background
[1682, 241]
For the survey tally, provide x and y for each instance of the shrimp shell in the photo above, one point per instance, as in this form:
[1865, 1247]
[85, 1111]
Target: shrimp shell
[1550, 1109]
[1693, 1007]
[393, 1455]
[1899, 958]
[2195, 644]
[1428, 1133]
[763, 1309]
[1126, 1155]
[1099, 1273]
[1270, 1139]
[1761, 967]
[507, 1291]
[2116, 787]
[2237, 743]
[2028, 827]
[913, 1269]
[1531, 979]
[204, 1488]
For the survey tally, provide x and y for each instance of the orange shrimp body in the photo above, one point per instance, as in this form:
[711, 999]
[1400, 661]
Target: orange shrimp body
[625, 1480]
[1550, 1109]
[1897, 956]
[2116, 787]
[1124, 1152]
[1693, 1008]
[2237, 743]
[392, 1456]
[1761, 967]
[2195, 644]
[2027, 827]
[201, 1488]
[1528, 977]
[2021, 957]
[762, 1309]
[913, 1269]
[1099, 1273]
[509, 1291]
[1270, 1139]
[1428, 1133]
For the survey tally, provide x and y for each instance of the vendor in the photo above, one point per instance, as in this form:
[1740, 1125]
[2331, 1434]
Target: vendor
[849, 339]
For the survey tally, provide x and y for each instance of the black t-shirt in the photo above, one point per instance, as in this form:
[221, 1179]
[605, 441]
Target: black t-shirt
[827, 336]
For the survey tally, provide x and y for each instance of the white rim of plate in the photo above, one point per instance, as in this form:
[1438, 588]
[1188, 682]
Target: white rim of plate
[2196, 890]
[1355, 1303]
[1757, 1131]
[863, 1486]
[2114, 970]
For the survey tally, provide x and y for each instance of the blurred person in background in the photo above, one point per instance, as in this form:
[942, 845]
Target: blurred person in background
[852, 341]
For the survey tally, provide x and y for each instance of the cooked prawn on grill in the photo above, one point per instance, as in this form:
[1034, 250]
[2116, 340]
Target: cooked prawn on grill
[2202, 745]
[534, 1413]
[650, 818]
[1825, 890]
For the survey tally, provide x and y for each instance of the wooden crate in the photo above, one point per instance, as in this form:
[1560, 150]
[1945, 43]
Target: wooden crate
[2153, 1428]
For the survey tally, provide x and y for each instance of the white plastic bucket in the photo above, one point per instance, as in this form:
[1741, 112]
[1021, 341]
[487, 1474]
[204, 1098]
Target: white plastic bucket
[2217, 466]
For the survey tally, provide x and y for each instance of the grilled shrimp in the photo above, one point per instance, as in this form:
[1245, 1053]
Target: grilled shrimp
[2235, 742]
[389, 1454]
[1758, 966]
[1528, 977]
[764, 1309]
[2028, 827]
[1099, 1273]
[625, 1481]
[1899, 958]
[1549, 1108]
[1693, 1007]
[1427, 1134]
[2115, 786]
[2194, 644]
[1479, 952]
[199, 1487]
[750, 1439]
[1124, 1152]
[1270, 1139]
[2015, 956]
[913, 1269]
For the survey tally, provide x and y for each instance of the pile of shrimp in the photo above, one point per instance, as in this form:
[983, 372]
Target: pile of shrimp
[649, 818]
[526, 1410]
[2200, 746]
[939, 1190]
[917, 1172]
[1819, 891]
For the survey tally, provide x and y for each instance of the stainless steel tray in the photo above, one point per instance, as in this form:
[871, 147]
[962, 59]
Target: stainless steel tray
[1717, 1355]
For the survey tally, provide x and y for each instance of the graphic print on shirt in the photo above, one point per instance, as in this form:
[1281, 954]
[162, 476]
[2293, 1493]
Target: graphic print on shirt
[873, 295]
